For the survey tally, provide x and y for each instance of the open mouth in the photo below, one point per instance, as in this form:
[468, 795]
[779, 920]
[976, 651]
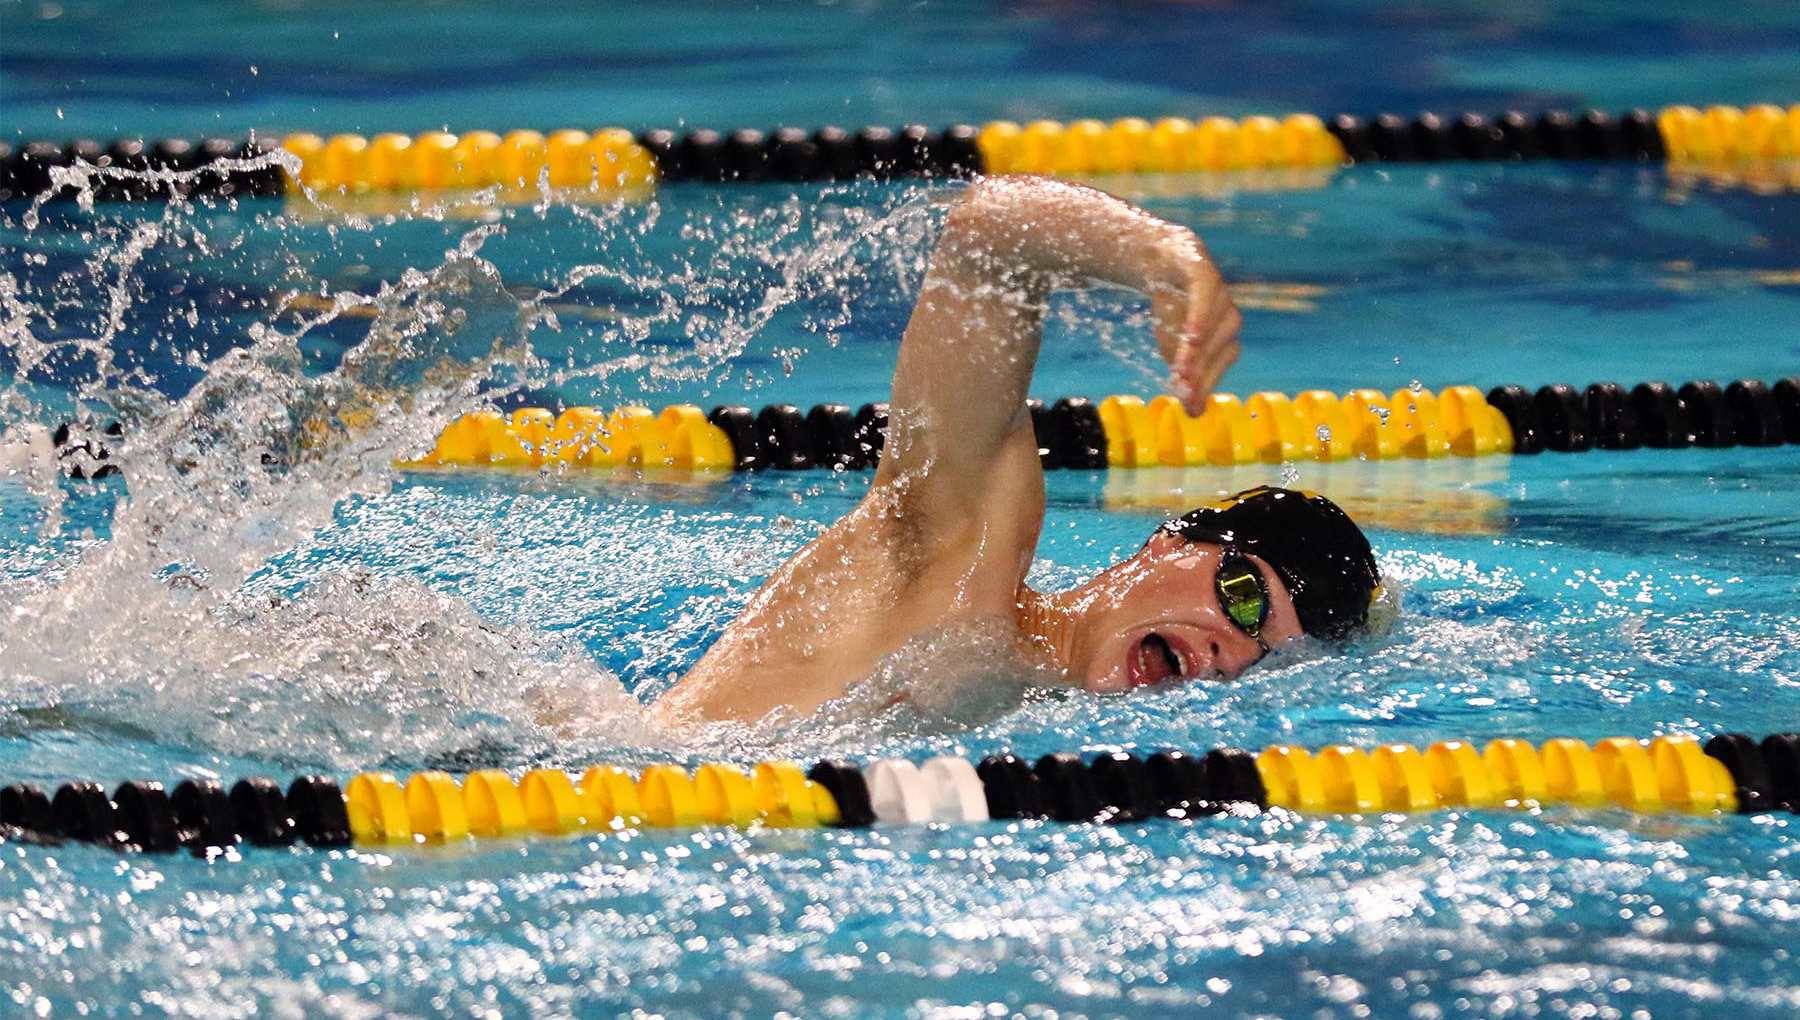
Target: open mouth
[1155, 661]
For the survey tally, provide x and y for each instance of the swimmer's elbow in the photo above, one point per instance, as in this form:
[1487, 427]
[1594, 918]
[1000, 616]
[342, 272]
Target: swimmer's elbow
[991, 232]
[972, 220]
[995, 203]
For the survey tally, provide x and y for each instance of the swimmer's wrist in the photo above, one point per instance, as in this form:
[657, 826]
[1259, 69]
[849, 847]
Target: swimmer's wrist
[1170, 263]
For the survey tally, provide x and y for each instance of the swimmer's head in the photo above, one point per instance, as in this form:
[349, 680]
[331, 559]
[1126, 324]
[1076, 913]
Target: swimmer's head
[1323, 558]
[1213, 591]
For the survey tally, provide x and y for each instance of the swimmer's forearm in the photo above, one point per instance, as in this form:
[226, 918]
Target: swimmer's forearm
[1024, 236]
[965, 364]
[1041, 234]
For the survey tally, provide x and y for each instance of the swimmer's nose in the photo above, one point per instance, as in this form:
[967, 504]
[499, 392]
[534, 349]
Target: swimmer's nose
[1228, 661]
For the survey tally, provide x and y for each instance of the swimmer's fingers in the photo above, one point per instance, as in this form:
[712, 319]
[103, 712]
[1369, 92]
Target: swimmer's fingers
[1198, 334]
[1219, 350]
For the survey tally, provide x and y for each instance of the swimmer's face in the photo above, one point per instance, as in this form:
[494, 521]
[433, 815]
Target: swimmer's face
[1156, 619]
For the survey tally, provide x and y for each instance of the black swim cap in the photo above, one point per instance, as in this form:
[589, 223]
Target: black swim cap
[1317, 549]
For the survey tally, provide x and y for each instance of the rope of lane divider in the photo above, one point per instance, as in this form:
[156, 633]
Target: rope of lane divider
[1132, 145]
[1513, 135]
[607, 160]
[192, 168]
[1730, 773]
[1607, 416]
[828, 154]
[1764, 132]
[615, 159]
[1119, 432]
[1127, 432]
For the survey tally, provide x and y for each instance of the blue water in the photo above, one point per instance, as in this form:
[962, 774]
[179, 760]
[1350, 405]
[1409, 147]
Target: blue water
[475, 619]
[85, 66]
[1476, 274]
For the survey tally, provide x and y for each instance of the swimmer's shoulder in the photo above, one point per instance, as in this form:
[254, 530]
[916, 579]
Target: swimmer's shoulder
[920, 530]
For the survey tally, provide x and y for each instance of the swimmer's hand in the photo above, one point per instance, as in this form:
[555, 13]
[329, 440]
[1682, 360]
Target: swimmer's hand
[1195, 320]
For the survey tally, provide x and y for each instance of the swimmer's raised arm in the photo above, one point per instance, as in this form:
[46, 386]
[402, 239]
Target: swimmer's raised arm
[969, 350]
[946, 535]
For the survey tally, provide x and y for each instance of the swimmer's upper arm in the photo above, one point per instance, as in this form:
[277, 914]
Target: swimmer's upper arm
[957, 419]
[965, 363]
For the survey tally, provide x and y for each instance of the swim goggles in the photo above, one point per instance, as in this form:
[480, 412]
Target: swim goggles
[1320, 555]
[1243, 594]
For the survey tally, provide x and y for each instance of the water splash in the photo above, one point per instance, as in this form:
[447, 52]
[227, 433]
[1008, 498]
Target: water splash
[178, 617]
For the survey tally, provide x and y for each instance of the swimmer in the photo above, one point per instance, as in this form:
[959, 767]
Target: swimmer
[949, 527]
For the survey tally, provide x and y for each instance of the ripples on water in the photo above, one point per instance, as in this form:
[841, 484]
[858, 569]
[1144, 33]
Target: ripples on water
[272, 596]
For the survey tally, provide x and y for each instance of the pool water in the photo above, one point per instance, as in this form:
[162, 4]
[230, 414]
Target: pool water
[88, 67]
[316, 610]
